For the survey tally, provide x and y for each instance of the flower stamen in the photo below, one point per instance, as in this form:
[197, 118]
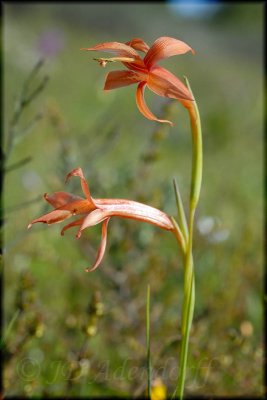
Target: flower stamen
[103, 61]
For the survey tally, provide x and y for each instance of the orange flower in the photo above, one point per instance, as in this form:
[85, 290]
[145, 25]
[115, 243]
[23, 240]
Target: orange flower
[145, 71]
[95, 211]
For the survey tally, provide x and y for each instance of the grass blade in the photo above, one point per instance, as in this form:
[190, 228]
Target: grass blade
[148, 342]
[180, 210]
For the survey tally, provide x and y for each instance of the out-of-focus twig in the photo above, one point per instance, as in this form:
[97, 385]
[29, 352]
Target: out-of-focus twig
[17, 164]
[24, 99]
[28, 128]
[22, 205]
[14, 131]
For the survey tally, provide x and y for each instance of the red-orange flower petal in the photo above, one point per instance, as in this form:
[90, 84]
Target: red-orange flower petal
[53, 217]
[59, 199]
[138, 44]
[142, 106]
[164, 83]
[120, 49]
[134, 210]
[78, 222]
[78, 172]
[165, 47]
[92, 219]
[102, 248]
[117, 79]
[126, 209]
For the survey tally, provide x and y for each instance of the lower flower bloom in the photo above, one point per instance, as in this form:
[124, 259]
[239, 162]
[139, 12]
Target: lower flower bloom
[95, 211]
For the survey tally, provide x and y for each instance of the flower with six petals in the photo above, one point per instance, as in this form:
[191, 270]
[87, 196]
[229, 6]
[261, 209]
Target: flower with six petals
[95, 211]
[146, 71]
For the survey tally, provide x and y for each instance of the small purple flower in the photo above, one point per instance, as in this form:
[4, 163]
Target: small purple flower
[51, 42]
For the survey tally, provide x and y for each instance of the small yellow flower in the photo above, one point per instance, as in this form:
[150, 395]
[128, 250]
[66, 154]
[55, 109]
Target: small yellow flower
[158, 390]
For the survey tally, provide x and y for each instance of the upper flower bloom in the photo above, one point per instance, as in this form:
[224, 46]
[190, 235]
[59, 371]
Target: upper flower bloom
[145, 71]
[95, 211]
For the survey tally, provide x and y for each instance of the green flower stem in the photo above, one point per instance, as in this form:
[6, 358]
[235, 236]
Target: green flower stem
[197, 158]
[187, 312]
[189, 282]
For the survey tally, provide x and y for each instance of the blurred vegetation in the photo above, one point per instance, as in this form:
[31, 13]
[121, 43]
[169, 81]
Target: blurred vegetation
[68, 332]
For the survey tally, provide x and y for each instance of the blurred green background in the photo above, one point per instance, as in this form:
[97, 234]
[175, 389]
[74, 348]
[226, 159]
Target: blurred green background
[71, 333]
